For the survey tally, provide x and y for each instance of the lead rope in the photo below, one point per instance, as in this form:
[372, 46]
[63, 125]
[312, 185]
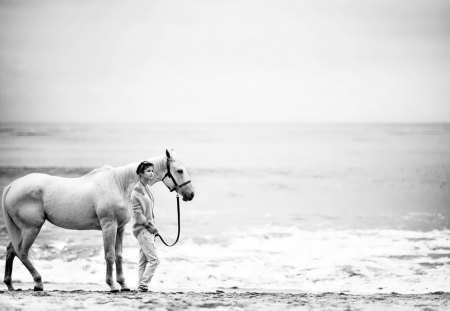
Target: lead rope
[179, 227]
[178, 214]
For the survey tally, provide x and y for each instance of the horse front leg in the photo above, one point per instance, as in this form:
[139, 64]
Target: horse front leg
[109, 231]
[119, 271]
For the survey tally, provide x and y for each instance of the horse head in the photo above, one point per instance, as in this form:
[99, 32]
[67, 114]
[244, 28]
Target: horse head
[177, 178]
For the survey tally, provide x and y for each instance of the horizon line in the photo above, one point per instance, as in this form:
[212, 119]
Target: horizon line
[235, 122]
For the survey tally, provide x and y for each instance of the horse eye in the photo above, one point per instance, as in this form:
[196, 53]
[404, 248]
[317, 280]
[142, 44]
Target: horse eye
[180, 171]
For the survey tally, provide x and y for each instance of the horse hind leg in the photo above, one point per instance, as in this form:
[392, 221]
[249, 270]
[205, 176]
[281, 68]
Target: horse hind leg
[10, 254]
[28, 237]
[24, 216]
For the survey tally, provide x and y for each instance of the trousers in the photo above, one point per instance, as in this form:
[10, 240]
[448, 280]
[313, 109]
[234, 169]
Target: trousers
[148, 258]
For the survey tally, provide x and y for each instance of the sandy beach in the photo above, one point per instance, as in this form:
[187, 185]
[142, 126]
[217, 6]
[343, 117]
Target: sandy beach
[218, 300]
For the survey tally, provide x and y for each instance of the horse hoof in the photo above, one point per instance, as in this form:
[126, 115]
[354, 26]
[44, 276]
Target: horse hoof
[125, 289]
[114, 290]
[38, 289]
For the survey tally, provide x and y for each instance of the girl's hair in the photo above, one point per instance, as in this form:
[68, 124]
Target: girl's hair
[142, 167]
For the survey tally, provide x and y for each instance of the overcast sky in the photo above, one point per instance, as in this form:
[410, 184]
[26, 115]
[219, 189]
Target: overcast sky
[238, 61]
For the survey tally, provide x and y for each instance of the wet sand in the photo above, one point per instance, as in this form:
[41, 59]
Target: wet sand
[219, 300]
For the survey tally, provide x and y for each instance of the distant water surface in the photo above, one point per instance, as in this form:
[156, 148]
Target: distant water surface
[395, 176]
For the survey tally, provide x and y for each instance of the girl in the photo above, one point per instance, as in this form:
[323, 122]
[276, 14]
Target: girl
[144, 226]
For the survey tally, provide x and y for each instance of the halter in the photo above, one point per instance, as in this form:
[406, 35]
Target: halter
[169, 174]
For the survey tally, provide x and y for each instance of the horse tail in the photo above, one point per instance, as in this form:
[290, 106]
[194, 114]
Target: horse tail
[13, 231]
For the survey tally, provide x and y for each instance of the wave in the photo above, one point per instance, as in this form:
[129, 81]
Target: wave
[272, 258]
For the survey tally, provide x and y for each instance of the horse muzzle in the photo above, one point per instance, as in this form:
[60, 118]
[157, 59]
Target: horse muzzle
[188, 196]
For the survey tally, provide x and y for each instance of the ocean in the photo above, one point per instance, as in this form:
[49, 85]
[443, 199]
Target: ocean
[308, 207]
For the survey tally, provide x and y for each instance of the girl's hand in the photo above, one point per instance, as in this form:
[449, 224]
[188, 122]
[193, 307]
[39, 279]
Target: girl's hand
[152, 230]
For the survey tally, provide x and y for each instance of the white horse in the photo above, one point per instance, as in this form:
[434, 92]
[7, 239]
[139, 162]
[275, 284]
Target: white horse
[98, 200]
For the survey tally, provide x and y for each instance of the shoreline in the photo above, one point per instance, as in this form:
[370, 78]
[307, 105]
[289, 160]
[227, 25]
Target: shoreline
[103, 288]
[221, 299]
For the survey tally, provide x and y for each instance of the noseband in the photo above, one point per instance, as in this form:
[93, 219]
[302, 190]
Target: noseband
[169, 174]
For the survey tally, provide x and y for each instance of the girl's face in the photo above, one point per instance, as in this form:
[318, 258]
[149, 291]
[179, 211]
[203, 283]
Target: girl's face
[148, 173]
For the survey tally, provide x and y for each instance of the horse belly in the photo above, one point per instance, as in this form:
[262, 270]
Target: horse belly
[70, 206]
[81, 219]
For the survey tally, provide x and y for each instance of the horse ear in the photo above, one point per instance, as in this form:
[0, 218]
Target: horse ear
[168, 154]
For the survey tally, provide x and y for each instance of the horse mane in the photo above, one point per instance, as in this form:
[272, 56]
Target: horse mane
[100, 169]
